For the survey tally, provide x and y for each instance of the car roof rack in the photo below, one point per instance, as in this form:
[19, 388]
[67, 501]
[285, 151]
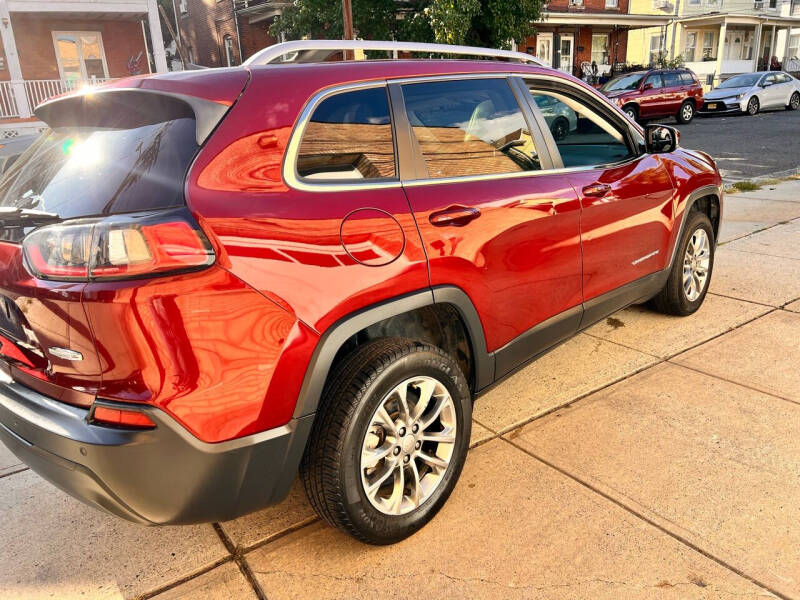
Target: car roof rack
[305, 51]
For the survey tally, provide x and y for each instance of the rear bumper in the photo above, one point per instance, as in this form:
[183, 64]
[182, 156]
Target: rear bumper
[159, 476]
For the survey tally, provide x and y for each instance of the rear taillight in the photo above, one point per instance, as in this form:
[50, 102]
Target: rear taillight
[118, 247]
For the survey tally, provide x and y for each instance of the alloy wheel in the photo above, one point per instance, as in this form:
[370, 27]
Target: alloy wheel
[695, 264]
[794, 102]
[631, 113]
[408, 445]
[752, 105]
[687, 112]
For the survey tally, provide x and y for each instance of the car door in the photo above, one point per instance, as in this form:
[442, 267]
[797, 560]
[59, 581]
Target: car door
[674, 93]
[652, 101]
[771, 92]
[494, 221]
[626, 199]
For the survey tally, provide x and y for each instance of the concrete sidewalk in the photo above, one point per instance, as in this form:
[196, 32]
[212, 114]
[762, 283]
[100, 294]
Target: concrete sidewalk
[649, 457]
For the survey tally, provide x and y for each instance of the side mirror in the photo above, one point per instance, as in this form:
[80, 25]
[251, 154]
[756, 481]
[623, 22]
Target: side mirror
[660, 138]
[766, 84]
[647, 86]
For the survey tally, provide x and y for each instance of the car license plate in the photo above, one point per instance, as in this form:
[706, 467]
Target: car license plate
[712, 105]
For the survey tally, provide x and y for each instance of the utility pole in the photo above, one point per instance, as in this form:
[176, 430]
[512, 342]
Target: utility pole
[347, 20]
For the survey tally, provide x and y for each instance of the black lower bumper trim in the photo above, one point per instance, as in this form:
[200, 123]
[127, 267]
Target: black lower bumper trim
[160, 476]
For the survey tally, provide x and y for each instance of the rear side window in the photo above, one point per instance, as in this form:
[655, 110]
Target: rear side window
[469, 127]
[349, 137]
[686, 78]
[123, 165]
[672, 80]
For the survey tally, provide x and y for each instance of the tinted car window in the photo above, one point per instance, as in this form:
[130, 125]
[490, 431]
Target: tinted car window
[672, 80]
[626, 83]
[686, 78]
[654, 80]
[470, 127]
[83, 171]
[349, 137]
[592, 139]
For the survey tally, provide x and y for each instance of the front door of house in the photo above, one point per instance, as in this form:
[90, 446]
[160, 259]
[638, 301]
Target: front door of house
[544, 47]
[565, 52]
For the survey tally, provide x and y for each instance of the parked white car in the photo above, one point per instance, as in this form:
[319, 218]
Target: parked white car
[560, 118]
[752, 92]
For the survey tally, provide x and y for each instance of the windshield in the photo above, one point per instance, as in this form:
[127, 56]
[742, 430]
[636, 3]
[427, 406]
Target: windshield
[747, 80]
[83, 171]
[626, 82]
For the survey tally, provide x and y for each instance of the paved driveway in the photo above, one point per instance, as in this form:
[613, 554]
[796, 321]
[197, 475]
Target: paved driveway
[649, 457]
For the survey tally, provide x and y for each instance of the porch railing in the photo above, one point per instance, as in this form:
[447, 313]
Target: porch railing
[20, 98]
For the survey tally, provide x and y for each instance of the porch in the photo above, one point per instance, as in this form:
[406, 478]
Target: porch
[571, 42]
[719, 46]
[50, 48]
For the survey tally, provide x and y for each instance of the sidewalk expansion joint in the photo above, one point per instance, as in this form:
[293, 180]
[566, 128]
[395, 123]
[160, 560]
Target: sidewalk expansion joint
[681, 539]
[238, 558]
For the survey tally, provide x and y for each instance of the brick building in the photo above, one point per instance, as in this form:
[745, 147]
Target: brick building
[48, 47]
[220, 33]
[582, 31]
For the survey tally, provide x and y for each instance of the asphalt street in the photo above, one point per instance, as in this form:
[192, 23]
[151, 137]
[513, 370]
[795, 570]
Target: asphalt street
[744, 147]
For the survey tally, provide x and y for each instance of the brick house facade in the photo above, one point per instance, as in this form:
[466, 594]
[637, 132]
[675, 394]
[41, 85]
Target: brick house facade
[574, 32]
[218, 33]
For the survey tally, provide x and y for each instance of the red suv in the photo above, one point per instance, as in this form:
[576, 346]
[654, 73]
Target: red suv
[212, 279]
[657, 94]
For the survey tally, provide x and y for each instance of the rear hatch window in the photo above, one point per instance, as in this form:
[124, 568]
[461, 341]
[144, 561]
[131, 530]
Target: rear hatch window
[116, 160]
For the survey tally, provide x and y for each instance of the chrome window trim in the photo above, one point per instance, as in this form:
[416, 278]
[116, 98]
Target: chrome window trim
[289, 169]
[294, 181]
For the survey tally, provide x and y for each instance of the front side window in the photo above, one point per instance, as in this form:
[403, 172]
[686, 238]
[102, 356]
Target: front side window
[469, 127]
[80, 55]
[349, 137]
[600, 48]
[655, 81]
[590, 139]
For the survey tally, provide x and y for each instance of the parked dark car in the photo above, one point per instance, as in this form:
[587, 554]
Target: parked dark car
[655, 94]
[213, 279]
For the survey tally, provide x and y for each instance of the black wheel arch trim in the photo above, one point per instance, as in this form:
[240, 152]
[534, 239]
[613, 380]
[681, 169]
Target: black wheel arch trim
[701, 192]
[337, 334]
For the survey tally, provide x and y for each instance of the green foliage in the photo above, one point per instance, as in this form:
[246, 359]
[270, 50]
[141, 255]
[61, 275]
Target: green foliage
[664, 62]
[488, 23]
[322, 19]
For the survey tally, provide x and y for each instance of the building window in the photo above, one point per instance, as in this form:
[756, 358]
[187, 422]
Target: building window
[612, 3]
[708, 45]
[689, 48]
[655, 49]
[600, 48]
[230, 59]
[349, 137]
[576, 2]
[80, 55]
[694, 2]
[794, 46]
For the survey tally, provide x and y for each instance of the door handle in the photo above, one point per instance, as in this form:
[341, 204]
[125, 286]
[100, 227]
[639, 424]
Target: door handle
[596, 190]
[454, 215]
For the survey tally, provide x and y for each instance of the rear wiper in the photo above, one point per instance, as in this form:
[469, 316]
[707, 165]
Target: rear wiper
[11, 216]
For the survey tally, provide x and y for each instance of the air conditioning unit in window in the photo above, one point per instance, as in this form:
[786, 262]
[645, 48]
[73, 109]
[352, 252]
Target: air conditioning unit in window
[758, 4]
[578, 3]
[660, 3]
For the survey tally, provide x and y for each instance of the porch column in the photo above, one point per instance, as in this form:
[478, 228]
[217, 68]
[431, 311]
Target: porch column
[771, 49]
[786, 47]
[756, 47]
[159, 54]
[720, 52]
[12, 58]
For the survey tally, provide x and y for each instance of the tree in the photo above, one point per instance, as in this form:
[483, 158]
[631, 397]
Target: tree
[322, 19]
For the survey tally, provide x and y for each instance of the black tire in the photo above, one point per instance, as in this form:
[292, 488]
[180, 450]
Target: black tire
[560, 128]
[686, 112]
[632, 111]
[794, 102]
[672, 299]
[331, 466]
[753, 106]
